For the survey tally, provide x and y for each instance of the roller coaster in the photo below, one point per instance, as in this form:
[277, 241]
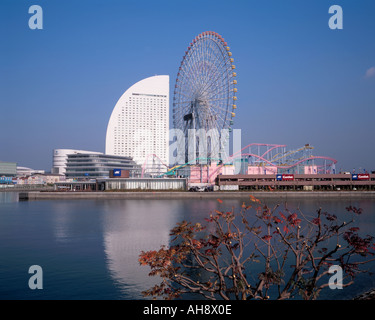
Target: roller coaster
[271, 158]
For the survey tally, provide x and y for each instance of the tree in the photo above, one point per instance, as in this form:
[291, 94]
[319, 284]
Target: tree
[258, 253]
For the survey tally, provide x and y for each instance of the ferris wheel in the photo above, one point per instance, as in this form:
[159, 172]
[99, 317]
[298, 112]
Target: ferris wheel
[205, 90]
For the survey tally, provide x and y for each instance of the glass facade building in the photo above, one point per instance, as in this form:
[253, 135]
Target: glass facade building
[99, 165]
[60, 156]
[8, 169]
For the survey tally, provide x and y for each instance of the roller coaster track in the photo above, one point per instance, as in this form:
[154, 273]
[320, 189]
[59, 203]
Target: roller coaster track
[145, 162]
[240, 154]
[290, 153]
[229, 159]
[171, 170]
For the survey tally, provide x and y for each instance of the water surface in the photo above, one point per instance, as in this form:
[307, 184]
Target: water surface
[88, 249]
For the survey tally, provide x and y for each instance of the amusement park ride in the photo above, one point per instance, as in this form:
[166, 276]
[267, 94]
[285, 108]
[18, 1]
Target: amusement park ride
[205, 99]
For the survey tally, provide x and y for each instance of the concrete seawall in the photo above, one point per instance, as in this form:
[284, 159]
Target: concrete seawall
[195, 195]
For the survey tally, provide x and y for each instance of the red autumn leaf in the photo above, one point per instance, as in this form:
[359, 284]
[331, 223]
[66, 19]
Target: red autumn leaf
[354, 229]
[316, 221]
[266, 237]
[292, 217]
[197, 244]
[253, 199]
[276, 219]
[282, 216]
[219, 200]
[330, 217]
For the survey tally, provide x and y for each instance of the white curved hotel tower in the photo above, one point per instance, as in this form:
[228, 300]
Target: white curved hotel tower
[139, 123]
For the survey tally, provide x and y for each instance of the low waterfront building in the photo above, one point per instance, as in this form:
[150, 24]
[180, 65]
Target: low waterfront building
[93, 165]
[39, 179]
[4, 181]
[8, 169]
[24, 171]
[306, 182]
[143, 184]
[123, 184]
[60, 157]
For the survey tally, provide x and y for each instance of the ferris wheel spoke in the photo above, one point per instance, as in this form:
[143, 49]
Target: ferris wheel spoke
[181, 112]
[220, 60]
[210, 62]
[181, 108]
[218, 108]
[216, 88]
[223, 93]
[184, 101]
[185, 93]
[206, 62]
[220, 87]
[194, 64]
[218, 57]
[218, 124]
[225, 74]
[189, 72]
[212, 102]
[210, 68]
[189, 79]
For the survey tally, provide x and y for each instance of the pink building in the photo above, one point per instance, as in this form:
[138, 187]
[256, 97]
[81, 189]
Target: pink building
[262, 170]
[311, 170]
[208, 174]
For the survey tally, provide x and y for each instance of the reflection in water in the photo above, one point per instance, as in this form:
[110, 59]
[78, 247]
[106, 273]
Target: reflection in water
[61, 222]
[129, 228]
[8, 197]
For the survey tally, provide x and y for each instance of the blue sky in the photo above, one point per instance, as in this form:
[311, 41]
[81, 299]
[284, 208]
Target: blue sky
[299, 81]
